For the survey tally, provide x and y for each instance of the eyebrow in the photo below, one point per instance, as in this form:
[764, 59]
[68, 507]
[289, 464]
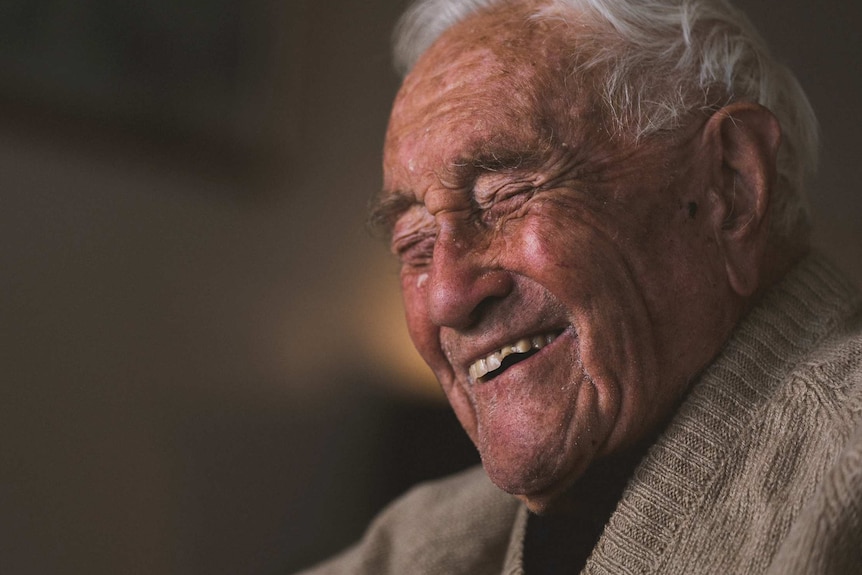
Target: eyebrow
[467, 169]
[511, 160]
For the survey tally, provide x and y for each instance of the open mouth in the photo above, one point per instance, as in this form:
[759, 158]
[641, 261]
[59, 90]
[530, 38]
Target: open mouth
[489, 367]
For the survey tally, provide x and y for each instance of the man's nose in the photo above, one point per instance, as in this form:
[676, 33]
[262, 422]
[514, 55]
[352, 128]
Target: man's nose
[463, 281]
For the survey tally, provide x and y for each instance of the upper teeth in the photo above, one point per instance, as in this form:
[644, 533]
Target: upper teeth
[486, 365]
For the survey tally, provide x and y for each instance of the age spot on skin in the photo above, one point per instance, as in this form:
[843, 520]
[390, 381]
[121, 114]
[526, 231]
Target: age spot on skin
[692, 209]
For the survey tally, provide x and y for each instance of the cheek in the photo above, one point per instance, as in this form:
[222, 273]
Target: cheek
[556, 256]
[423, 332]
[426, 339]
[585, 270]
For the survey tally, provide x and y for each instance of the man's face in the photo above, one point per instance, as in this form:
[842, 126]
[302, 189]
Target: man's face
[563, 286]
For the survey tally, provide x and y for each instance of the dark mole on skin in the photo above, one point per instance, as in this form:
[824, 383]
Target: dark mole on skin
[692, 209]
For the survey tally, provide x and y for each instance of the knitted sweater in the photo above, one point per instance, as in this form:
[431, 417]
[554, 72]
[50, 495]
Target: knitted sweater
[760, 470]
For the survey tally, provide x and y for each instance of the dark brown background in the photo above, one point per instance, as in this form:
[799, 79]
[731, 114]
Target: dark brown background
[203, 363]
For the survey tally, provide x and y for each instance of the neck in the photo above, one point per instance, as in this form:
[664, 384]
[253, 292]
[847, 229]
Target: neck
[561, 540]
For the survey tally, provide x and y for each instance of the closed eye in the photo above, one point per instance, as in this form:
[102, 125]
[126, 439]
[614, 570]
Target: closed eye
[413, 237]
[510, 205]
[416, 251]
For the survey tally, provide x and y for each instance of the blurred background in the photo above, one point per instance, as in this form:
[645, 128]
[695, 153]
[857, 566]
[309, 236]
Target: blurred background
[204, 368]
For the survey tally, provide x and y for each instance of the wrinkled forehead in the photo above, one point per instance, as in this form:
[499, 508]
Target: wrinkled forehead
[505, 43]
[500, 74]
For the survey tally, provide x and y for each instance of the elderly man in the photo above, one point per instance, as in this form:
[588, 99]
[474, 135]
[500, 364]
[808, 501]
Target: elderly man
[598, 210]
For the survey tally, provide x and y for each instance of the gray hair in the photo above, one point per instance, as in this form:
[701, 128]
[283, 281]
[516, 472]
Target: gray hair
[704, 53]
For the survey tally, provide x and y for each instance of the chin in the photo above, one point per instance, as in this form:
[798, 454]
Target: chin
[542, 491]
[542, 504]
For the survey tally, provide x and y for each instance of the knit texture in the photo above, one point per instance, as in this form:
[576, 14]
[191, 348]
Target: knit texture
[760, 470]
[460, 524]
[721, 489]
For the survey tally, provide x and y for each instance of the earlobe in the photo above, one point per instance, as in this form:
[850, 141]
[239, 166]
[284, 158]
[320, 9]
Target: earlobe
[745, 137]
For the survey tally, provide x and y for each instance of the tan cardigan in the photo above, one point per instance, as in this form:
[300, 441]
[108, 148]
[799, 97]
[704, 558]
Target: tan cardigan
[759, 472]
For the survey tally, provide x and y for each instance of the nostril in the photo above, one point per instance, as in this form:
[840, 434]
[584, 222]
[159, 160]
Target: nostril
[462, 276]
[460, 294]
[484, 307]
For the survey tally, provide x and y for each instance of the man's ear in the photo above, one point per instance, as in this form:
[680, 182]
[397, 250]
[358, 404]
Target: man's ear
[744, 138]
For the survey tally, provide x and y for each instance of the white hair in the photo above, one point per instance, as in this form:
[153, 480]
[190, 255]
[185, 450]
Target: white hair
[656, 62]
